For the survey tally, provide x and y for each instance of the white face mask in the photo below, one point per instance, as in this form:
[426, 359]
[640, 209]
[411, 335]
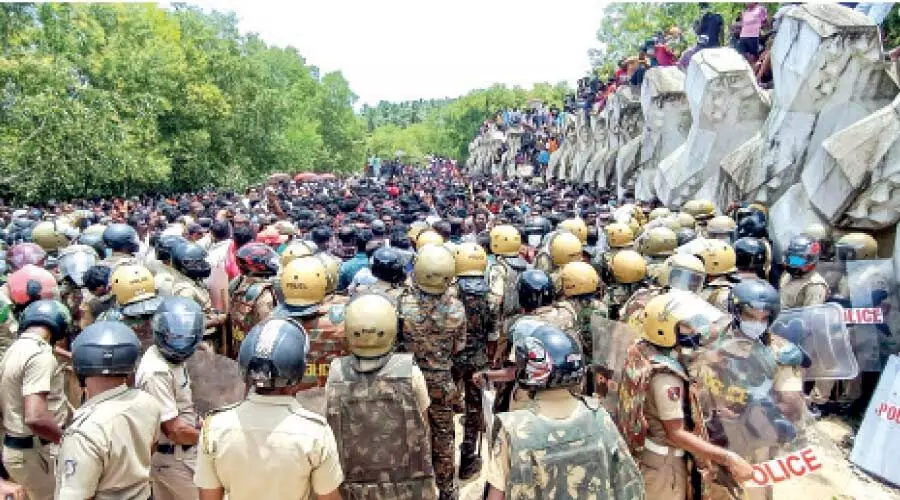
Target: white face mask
[753, 329]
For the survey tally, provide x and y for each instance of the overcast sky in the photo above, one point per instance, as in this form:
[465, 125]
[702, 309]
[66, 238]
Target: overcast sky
[408, 49]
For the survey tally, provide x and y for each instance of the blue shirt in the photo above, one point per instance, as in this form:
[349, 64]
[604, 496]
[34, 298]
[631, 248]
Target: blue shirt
[350, 268]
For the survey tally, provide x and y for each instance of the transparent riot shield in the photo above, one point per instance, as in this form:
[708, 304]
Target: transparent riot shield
[831, 272]
[745, 411]
[873, 316]
[611, 340]
[819, 341]
[215, 381]
[704, 318]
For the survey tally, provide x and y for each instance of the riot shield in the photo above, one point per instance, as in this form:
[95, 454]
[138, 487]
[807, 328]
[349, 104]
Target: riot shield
[215, 381]
[744, 412]
[611, 340]
[820, 341]
[873, 313]
[831, 272]
[74, 264]
[701, 316]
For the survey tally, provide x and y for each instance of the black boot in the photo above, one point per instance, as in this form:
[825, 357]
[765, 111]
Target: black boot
[469, 462]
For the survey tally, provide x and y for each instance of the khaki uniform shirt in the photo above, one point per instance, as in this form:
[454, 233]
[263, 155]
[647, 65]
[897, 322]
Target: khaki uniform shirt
[665, 402]
[105, 453]
[807, 290]
[556, 404]
[30, 367]
[268, 447]
[170, 385]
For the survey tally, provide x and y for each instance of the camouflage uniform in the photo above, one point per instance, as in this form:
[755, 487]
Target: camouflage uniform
[431, 327]
[582, 310]
[502, 279]
[252, 300]
[582, 456]
[120, 259]
[389, 289]
[324, 325]
[185, 287]
[380, 430]
[716, 292]
[632, 311]
[473, 358]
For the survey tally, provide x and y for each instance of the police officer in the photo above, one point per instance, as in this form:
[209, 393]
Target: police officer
[473, 291]
[562, 247]
[369, 388]
[303, 460]
[136, 301]
[162, 266]
[177, 331]
[629, 273]
[801, 285]
[656, 245]
[105, 451]
[252, 295]
[191, 268]
[388, 268]
[503, 274]
[719, 259]
[434, 329]
[549, 365]
[122, 241]
[654, 395]
[304, 283]
[32, 398]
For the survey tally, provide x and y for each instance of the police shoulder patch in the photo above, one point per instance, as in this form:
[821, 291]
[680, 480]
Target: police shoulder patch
[69, 467]
[336, 313]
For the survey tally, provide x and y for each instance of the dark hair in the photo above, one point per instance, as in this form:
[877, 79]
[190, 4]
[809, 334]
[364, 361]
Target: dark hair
[242, 236]
[97, 277]
[221, 230]
[363, 237]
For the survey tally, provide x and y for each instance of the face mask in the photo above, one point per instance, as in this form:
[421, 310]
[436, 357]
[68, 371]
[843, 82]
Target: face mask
[753, 329]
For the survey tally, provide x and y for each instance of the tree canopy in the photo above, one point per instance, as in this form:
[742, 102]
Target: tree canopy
[118, 99]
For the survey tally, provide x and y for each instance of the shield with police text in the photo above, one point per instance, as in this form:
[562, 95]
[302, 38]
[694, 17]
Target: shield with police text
[754, 407]
[818, 340]
[216, 381]
[871, 311]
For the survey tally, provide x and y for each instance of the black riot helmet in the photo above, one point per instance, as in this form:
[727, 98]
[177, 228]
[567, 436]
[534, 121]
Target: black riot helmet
[753, 225]
[190, 260]
[387, 265]
[751, 255]
[535, 289]
[753, 294]
[95, 241]
[166, 244]
[273, 354]
[52, 314]
[105, 348]
[548, 358]
[178, 326]
[121, 238]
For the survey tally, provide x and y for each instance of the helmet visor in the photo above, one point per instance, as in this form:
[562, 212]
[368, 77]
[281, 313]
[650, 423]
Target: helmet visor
[796, 261]
[179, 332]
[686, 279]
[74, 265]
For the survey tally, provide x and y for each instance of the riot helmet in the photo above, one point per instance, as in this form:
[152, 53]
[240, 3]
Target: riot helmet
[535, 289]
[802, 255]
[748, 301]
[190, 260]
[387, 265]
[370, 324]
[51, 314]
[121, 238]
[257, 259]
[548, 358]
[751, 255]
[178, 326]
[105, 348]
[273, 354]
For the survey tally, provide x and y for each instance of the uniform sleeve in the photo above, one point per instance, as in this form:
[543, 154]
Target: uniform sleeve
[668, 394]
[38, 374]
[625, 478]
[161, 386]
[788, 379]
[459, 321]
[498, 466]
[80, 466]
[420, 389]
[327, 474]
[205, 475]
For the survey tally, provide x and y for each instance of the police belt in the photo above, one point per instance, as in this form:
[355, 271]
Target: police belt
[662, 450]
[169, 449]
[22, 443]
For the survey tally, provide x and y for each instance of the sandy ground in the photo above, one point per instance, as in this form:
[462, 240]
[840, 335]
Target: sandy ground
[837, 480]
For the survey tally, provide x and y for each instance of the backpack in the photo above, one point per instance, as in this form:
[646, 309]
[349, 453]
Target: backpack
[640, 365]
[511, 267]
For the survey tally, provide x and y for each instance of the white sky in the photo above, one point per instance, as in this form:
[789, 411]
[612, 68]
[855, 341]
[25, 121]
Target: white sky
[409, 49]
